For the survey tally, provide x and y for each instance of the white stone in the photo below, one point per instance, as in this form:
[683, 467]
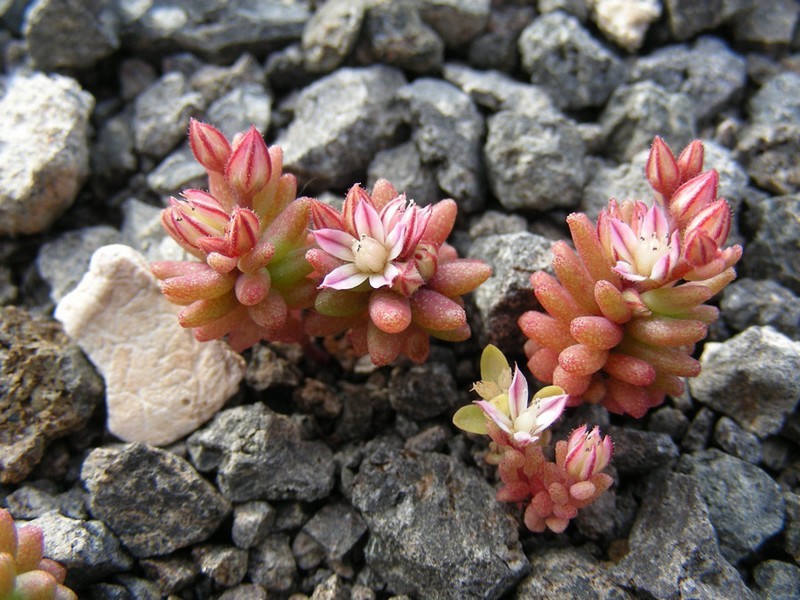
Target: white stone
[625, 22]
[161, 384]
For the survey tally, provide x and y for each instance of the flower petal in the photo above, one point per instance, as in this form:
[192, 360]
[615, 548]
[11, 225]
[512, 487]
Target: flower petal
[495, 414]
[368, 222]
[548, 410]
[378, 280]
[336, 243]
[517, 394]
[345, 277]
[623, 240]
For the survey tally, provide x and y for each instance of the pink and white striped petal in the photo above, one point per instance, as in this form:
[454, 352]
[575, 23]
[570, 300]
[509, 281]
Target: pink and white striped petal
[336, 243]
[345, 277]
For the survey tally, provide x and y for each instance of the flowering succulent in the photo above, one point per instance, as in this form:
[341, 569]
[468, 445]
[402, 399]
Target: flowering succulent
[24, 572]
[387, 276]
[553, 491]
[250, 235]
[626, 307]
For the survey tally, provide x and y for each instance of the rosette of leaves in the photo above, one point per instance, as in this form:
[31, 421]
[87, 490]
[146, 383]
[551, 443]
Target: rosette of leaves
[24, 572]
[387, 276]
[622, 315]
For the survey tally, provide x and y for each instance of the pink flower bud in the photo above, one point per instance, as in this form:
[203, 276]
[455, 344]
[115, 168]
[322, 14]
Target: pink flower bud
[690, 161]
[587, 453]
[210, 147]
[183, 228]
[244, 230]
[249, 167]
[714, 220]
[693, 196]
[204, 207]
[662, 170]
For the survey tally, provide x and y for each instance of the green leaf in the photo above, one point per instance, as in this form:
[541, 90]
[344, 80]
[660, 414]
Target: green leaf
[470, 418]
[550, 390]
[493, 363]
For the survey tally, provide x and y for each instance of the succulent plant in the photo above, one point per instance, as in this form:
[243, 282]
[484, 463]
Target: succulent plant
[387, 276]
[626, 307]
[24, 572]
[250, 235]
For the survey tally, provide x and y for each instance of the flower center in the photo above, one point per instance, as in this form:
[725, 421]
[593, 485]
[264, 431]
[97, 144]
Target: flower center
[370, 255]
[648, 251]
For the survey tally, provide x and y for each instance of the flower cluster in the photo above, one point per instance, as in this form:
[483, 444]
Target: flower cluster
[552, 491]
[380, 270]
[387, 275]
[24, 572]
[626, 307]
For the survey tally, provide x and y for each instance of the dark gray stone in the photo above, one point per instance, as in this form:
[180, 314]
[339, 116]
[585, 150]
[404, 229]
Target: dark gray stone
[395, 34]
[792, 532]
[140, 589]
[252, 522]
[457, 22]
[226, 565]
[736, 441]
[514, 257]
[177, 172]
[639, 452]
[337, 528]
[47, 390]
[88, 549]
[63, 262]
[333, 588]
[673, 548]
[670, 421]
[708, 72]
[747, 302]
[569, 573]
[152, 499]
[777, 102]
[333, 148]
[259, 455]
[607, 180]
[61, 33]
[494, 222]
[32, 501]
[403, 167]
[171, 573]
[246, 591]
[435, 529]
[498, 91]
[547, 150]
[775, 250]
[109, 591]
[112, 153]
[423, 391]
[767, 384]
[777, 580]
[331, 33]
[744, 503]
[248, 104]
[562, 56]
[215, 29]
[432, 439]
[162, 112]
[215, 81]
[448, 131]
[267, 369]
[687, 18]
[497, 47]
[768, 152]
[699, 432]
[272, 564]
[308, 553]
[635, 112]
[767, 24]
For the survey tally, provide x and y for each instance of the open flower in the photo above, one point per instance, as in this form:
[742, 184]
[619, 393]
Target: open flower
[588, 453]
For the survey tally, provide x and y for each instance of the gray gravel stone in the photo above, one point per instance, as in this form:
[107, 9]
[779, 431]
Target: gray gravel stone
[152, 499]
[448, 131]
[216, 81]
[337, 528]
[331, 33]
[88, 549]
[435, 529]
[61, 33]
[494, 222]
[457, 22]
[177, 172]
[226, 565]
[687, 18]
[534, 163]
[215, 29]
[112, 153]
[708, 72]
[640, 452]
[777, 580]
[673, 548]
[162, 112]
[246, 591]
[767, 24]
[699, 433]
[423, 391]
[171, 573]
[792, 532]
[748, 302]
[47, 390]
[33, 501]
[768, 152]
[396, 35]
[625, 181]
[758, 393]
[272, 564]
[514, 257]
[245, 105]
[44, 152]
[635, 111]
[259, 455]
[744, 503]
[670, 421]
[329, 148]
[63, 262]
[252, 522]
[403, 167]
[497, 47]
[736, 441]
[568, 573]
[562, 56]
[777, 101]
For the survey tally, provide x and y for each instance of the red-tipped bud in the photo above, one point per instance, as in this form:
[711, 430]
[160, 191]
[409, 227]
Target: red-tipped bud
[587, 453]
[693, 196]
[354, 195]
[186, 230]
[244, 230]
[203, 207]
[662, 170]
[714, 220]
[210, 147]
[690, 161]
[249, 167]
[325, 216]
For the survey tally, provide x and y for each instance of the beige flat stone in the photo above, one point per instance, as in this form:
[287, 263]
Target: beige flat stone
[161, 384]
[625, 22]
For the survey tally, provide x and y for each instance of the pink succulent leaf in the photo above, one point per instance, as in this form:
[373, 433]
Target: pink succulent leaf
[517, 394]
[496, 415]
[336, 243]
[345, 277]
